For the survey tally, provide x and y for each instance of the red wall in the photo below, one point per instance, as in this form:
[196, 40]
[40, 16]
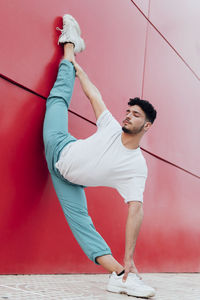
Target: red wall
[133, 48]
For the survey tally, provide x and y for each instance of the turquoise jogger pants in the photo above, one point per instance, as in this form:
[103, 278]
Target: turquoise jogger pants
[56, 136]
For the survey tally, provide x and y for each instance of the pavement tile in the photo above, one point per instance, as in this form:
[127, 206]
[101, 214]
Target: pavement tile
[169, 286]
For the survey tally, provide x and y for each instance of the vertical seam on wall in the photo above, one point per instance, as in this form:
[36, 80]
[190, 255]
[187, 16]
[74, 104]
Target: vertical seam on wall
[145, 50]
[163, 37]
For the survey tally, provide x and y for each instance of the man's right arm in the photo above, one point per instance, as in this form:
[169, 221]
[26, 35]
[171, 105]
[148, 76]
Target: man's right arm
[133, 224]
[90, 91]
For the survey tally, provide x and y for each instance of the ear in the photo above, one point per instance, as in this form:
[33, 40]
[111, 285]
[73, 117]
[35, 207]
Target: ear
[147, 126]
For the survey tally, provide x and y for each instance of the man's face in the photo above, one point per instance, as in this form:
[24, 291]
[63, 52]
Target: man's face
[135, 120]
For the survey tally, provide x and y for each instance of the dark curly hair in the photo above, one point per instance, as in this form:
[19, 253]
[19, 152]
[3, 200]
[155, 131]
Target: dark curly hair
[146, 106]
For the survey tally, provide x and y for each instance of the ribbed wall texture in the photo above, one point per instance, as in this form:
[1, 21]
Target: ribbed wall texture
[149, 49]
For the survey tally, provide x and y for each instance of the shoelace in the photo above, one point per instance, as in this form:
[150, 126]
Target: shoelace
[57, 28]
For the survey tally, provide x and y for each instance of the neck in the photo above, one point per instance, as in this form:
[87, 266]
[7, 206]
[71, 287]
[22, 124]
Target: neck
[131, 141]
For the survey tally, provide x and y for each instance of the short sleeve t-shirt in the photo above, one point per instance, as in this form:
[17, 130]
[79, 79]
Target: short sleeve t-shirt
[103, 160]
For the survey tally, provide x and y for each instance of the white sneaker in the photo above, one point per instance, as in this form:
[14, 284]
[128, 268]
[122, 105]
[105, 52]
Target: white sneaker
[71, 33]
[133, 286]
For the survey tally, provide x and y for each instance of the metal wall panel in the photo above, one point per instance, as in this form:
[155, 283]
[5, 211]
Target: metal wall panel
[142, 5]
[174, 90]
[35, 237]
[179, 22]
[114, 33]
[169, 240]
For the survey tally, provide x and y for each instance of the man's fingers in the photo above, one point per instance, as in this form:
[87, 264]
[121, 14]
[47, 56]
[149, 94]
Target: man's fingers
[138, 275]
[136, 272]
[125, 276]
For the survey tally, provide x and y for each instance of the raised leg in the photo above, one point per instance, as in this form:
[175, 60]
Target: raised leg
[55, 128]
[56, 116]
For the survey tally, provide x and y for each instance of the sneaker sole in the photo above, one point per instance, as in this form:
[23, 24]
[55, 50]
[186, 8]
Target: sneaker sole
[119, 290]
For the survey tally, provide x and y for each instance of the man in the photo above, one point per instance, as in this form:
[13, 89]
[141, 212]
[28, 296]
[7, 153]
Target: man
[110, 157]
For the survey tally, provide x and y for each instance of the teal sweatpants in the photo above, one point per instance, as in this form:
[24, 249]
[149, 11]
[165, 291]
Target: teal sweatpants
[56, 137]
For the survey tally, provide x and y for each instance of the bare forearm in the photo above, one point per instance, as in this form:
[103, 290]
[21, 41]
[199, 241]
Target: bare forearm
[91, 92]
[133, 224]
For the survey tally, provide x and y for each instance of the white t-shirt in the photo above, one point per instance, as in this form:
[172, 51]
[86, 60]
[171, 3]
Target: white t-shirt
[103, 160]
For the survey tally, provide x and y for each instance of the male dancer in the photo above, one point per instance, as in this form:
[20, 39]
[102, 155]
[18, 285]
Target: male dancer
[110, 157]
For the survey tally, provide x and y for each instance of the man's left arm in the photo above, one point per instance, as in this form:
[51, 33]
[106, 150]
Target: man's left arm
[133, 224]
[90, 91]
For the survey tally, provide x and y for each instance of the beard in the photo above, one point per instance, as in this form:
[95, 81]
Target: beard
[134, 130]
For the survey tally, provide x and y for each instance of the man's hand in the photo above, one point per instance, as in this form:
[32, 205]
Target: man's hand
[133, 223]
[77, 68]
[130, 268]
[90, 90]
